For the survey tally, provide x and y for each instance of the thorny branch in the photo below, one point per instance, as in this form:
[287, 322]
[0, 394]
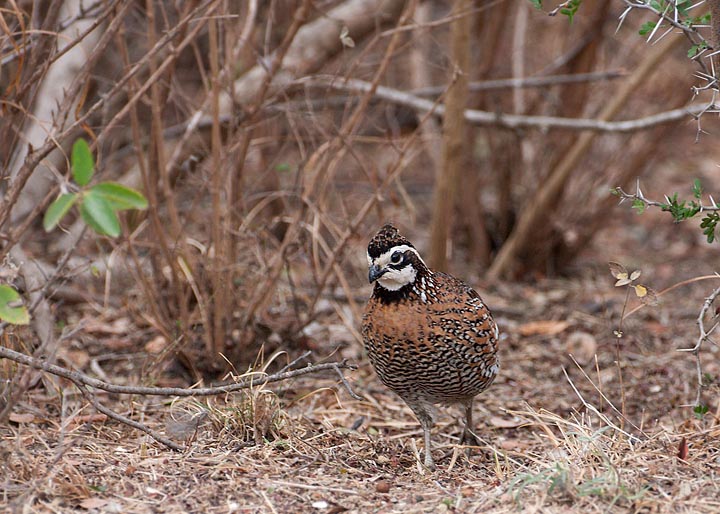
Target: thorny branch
[664, 16]
[688, 28]
[704, 336]
[638, 195]
[704, 333]
[251, 379]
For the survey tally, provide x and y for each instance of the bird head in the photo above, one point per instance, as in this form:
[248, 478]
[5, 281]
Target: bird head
[392, 260]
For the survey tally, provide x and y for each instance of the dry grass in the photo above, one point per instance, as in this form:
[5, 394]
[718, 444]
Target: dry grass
[607, 434]
[306, 445]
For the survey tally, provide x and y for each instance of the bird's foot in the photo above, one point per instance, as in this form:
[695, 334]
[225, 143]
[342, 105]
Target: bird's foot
[469, 439]
[429, 463]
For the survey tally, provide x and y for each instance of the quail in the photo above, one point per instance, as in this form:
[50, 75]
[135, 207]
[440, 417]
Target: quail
[429, 336]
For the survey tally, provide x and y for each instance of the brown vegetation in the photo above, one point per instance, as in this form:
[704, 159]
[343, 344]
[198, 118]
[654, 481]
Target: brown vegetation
[271, 139]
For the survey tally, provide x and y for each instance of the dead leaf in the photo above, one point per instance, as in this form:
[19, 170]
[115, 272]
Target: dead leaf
[499, 422]
[617, 270]
[93, 503]
[156, 345]
[683, 449]
[543, 328]
[650, 297]
[88, 418]
[622, 282]
[635, 274]
[118, 343]
[22, 418]
[77, 358]
[120, 326]
[345, 38]
[640, 290]
[582, 346]
[514, 444]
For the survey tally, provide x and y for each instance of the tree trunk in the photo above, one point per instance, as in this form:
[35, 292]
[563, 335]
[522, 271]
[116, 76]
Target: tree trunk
[535, 214]
[453, 150]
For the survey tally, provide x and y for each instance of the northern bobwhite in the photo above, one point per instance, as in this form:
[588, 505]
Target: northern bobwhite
[429, 336]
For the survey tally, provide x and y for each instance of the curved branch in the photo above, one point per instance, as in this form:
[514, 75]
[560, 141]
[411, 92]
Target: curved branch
[705, 334]
[253, 379]
[512, 121]
[249, 380]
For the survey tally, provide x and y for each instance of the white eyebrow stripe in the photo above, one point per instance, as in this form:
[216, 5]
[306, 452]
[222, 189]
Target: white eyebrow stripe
[403, 249]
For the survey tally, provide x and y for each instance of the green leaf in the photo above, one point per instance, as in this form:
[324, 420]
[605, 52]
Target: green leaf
[697, 188]
[708, 224]
[537, 4]
[82, 162]
[700, 411]
[57, 210]
[681, 6]
[99, 214]
[702, 20]
[9, 311]
[647, 27]
[638, 205]
[571, 9]
[121, 198]
[695, 49]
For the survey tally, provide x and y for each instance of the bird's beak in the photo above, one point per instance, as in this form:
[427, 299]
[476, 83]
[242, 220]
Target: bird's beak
[375, 273]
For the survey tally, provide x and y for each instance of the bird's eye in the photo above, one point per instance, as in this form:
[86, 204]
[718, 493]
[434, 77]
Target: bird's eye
[396, 257]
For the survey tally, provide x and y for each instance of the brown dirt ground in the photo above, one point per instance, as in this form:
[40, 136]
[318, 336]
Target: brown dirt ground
[600, 434]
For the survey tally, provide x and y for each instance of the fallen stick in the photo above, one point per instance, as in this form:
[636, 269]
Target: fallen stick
[251, 379]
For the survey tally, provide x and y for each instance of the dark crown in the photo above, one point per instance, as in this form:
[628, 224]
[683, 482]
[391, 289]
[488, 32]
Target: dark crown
[386, 238]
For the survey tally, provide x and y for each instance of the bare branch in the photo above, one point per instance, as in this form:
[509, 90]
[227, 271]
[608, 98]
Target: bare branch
[528, 82]
[513, 121]
[251, 379]
[248, 380]
[704, 336]
[125, 420]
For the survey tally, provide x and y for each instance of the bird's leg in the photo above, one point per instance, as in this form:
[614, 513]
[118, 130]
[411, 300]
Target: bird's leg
[429, 463]
[424, 415]
[468, 437]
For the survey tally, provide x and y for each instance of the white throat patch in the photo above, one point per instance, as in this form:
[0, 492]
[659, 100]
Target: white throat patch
[394, 279]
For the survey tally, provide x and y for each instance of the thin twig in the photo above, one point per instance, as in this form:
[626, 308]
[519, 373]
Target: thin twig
[347, 384]
[604, 397]
[296, 361]
[672, 287]
[125, 420]
[704, 335]
[527, 82]
[599, 414]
